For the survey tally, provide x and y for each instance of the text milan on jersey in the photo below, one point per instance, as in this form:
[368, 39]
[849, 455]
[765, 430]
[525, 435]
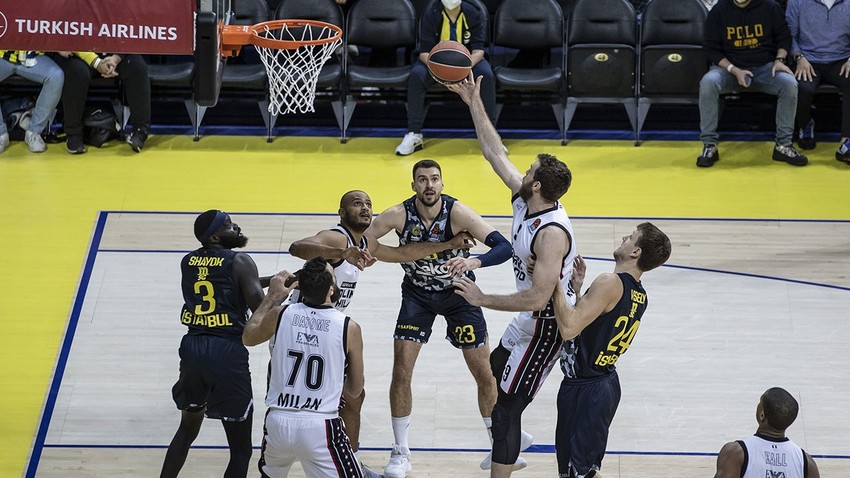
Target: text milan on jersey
[110, 30]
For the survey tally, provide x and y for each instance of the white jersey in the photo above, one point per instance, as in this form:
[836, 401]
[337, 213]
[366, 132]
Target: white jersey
[307, 365]
[532, 337]
[524, 230]
[772, 458]
[346, 273]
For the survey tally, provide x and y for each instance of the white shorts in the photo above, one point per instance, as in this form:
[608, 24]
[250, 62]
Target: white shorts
[319, 443]
[534, 346]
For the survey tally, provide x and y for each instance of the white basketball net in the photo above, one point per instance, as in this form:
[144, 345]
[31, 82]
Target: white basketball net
[293, 73]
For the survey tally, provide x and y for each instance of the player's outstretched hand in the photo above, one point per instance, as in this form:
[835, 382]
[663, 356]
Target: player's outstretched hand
[457, 266]
[579, 272]
[464, 240]
[468, 88]
[282, 282]
[467, 289]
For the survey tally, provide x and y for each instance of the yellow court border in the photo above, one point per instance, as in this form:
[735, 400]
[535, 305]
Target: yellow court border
[50, 202]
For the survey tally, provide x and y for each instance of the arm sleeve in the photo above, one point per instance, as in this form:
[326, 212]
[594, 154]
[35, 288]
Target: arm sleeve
[429, 30]
[500, 250]
[477, 37]
[86, 56]
[781, 31]
[712, 43]
[791, 16]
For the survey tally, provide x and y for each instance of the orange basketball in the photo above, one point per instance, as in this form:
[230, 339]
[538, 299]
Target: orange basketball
[449, 62]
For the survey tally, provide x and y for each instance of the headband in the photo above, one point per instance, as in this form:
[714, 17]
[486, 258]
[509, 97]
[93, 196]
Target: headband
[216, 223]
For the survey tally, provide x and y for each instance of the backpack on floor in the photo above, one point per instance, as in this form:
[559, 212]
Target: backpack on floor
[99, 126]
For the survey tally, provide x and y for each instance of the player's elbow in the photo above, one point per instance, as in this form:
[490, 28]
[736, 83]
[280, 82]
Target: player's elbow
[296, 249]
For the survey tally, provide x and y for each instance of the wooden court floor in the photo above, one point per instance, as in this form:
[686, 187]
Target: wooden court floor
[744, 304]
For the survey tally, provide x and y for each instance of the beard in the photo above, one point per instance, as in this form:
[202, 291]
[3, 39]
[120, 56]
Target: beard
[425, 201]
[233, 242]
[353, 223]
[337, 293]
[525, 192]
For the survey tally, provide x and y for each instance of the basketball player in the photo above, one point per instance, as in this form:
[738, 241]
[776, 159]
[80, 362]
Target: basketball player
[542, 230]
[769, 452]
[317, 355]
[219, 286]
[597, 332]
[348, 252]
[430, 216]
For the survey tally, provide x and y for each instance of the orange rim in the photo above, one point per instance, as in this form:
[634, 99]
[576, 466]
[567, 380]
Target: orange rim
[258, 40]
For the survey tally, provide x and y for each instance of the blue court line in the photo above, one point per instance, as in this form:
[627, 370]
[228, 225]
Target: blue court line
[504, 216]
[543, 449]
[62, 361]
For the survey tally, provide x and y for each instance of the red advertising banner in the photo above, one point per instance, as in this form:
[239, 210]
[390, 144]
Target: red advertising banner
[117, 26]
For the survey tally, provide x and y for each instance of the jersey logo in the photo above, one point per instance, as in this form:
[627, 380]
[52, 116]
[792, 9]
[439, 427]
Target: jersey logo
[307, 339]
[203, 272]
[435, 231]
[774, 474]
[534, 225]
[416, 231]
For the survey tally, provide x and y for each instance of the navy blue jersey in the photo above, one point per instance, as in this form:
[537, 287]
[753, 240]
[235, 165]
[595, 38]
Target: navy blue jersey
[596, 350]
[429, 273]
[213, 301]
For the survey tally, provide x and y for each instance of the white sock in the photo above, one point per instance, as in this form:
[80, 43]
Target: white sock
[488, 422]
[400, 427]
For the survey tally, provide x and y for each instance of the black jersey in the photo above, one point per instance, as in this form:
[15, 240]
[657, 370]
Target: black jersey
[429, 273]
[596, 350]
[213, 301]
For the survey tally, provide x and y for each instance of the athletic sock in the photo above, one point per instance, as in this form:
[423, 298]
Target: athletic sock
[400, 427]
[488, 422]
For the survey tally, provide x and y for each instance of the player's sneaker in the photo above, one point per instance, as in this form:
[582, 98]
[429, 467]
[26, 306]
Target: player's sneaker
[4, 142]
[411, 143]
[368, 473]
[399, 463]
[520, 463]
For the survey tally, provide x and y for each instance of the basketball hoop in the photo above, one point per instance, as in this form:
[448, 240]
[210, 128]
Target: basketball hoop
[293, 52]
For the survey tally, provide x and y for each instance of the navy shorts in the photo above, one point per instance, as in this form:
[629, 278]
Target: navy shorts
[585, 411]
[465, 324]
[214, 377]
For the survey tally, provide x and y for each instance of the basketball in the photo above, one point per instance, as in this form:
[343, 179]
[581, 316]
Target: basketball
[449, 62]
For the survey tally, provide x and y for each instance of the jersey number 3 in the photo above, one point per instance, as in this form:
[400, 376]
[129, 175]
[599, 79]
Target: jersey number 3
[205, 289]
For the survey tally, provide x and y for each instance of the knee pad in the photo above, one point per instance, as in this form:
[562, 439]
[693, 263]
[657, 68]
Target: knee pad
[501, 422]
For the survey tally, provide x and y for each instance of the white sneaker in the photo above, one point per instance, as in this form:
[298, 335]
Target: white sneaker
[399, 463]
[411, 142]
[34, 141]
[368, 473]
[520, 463]
[4, 142]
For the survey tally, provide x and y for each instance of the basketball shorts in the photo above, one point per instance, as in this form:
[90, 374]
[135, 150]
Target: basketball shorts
[586, 408]
[319, 443]
[526, 356]
[214, 376]
[465, 324]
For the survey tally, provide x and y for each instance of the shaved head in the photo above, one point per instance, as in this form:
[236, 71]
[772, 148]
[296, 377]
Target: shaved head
[350, 196]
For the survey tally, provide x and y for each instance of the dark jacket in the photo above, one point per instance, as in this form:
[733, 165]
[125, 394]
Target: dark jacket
[749, 36]
[472, 26]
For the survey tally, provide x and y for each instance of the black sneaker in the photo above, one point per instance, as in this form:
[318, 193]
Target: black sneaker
[137, 139]
[789, 155]
[74, 144]
[806, 136]
[843, 153]
[709, 156]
